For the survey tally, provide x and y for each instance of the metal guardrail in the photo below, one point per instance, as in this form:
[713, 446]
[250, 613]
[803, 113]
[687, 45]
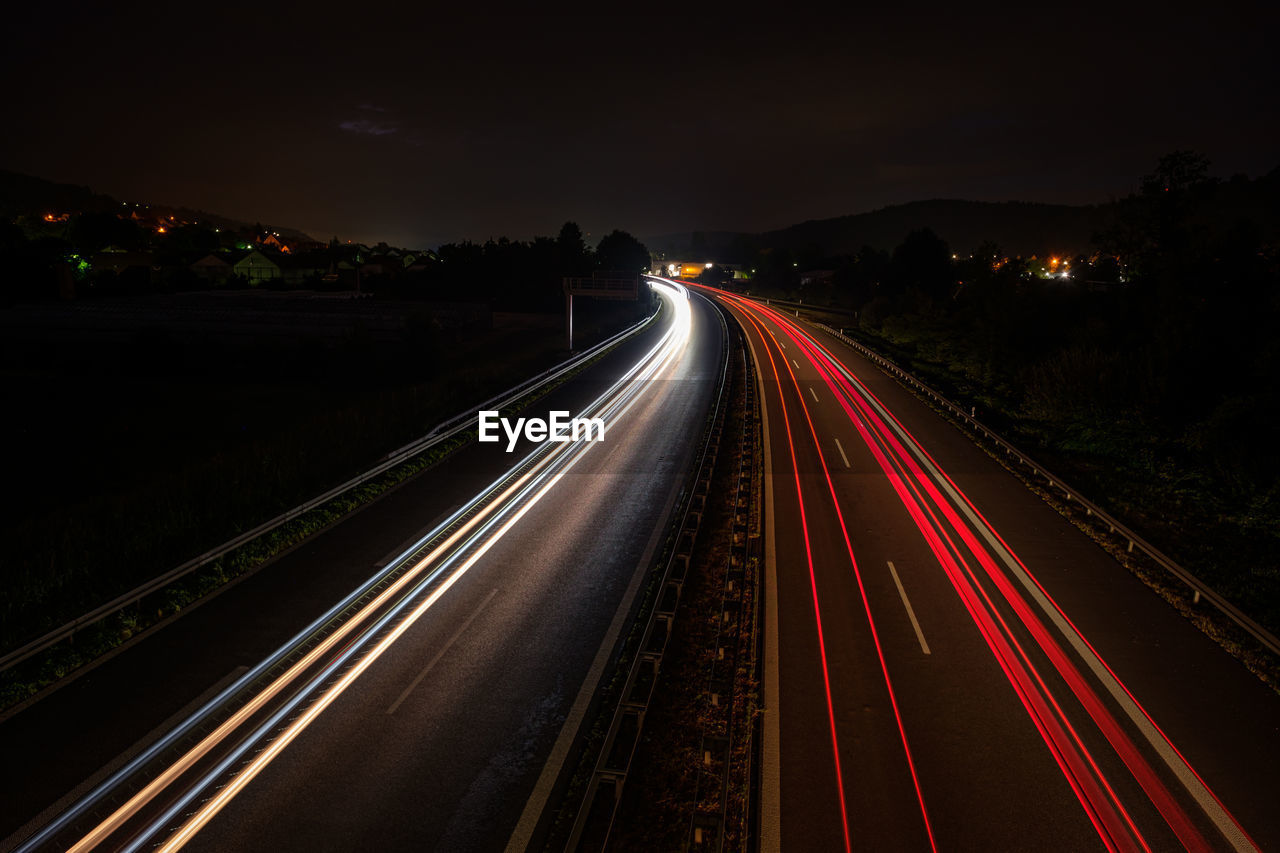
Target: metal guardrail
[1199, 588]
[442, 432]
[805, 306]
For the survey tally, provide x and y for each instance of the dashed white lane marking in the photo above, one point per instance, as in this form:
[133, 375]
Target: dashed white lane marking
[448, 645]
[840, 447]
[924, 647]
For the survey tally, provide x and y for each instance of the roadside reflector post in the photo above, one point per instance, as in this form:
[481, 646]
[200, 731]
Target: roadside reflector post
[568, 318]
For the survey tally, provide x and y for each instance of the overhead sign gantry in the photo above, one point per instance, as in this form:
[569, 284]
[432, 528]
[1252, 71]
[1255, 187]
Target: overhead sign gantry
[602, 284]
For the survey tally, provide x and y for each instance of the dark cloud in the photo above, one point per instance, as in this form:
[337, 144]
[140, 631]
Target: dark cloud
[372, 128]
[652, 119]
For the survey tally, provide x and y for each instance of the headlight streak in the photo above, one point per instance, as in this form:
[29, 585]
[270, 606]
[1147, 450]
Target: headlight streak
[171, 738]
[515, 499]
[188, 760]
[913, 485]
[211, 808]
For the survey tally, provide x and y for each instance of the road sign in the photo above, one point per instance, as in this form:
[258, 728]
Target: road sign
[600, 285]
[604, 285]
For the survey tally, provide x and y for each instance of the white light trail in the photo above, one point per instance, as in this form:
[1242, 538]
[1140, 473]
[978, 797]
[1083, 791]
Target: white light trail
[398, 610]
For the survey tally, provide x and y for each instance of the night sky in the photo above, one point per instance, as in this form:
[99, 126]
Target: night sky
[419, 125]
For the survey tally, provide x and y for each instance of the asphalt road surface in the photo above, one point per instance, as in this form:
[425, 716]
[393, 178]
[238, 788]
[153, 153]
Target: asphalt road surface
[950, 664]
[433, 713]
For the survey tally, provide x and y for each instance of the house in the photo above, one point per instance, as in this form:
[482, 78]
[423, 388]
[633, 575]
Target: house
[212, 268]
[256, 267]
[273, 241]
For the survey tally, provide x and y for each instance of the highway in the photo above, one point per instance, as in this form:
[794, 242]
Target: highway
[433, 705]
[951, 665]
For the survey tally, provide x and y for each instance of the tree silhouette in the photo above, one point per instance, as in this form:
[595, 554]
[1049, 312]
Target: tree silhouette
[923, 262]
[620, 251]
[1177, 172]
[575, 257]
[92, 232]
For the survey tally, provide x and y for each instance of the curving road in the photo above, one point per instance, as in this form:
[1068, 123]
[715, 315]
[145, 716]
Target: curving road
[951, 665]
[432, 708]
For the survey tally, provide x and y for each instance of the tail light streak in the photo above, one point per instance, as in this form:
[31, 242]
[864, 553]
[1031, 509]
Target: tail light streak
[1156, 790]
[897, 452]
[866, 605]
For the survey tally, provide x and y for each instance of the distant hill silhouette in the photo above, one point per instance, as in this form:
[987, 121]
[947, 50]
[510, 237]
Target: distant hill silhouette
[1019, 228]
[25, 195]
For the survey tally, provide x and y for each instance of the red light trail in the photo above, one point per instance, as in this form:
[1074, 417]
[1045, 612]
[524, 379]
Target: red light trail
[946, 534]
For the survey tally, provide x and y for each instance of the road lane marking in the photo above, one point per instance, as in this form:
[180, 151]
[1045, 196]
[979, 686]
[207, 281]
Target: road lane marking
[771, 735]
[448, 645]
[924, 647]
[840, 447]
[796, 363]
[771, 747]
[813, 394]
[831, 714]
